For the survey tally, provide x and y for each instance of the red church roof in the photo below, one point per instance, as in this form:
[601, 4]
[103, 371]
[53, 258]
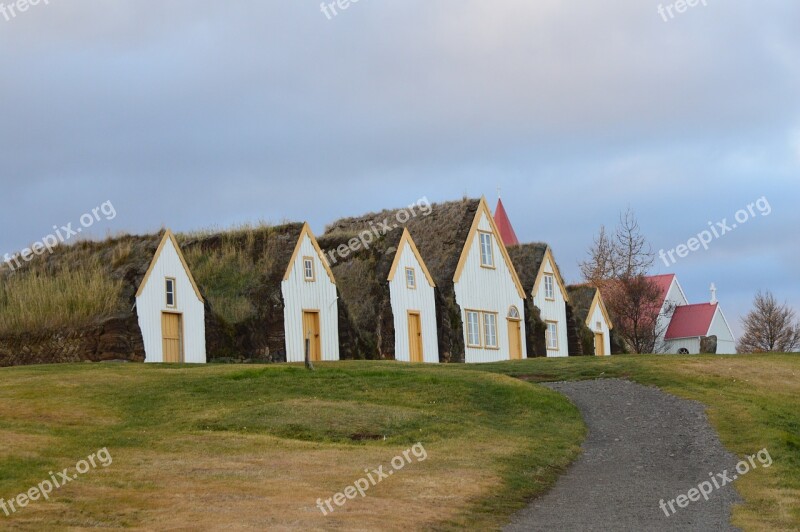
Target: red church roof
[504, 225]
[690, 321]
[663, 282]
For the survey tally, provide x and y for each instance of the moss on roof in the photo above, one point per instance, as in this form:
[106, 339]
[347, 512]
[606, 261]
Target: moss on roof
[527, 260]
[580, 298]
[78, 285]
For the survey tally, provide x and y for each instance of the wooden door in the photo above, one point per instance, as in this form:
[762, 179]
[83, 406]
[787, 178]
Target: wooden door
[515, 339]
[599, 345]
[311, 332]
[172, 334]
[415, 337]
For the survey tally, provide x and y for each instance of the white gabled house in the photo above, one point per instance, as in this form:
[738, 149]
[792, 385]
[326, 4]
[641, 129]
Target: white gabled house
[547, 292]
[682, 326]
[489, 294]
[170, 308]
[413, 300]
[310, 301]
[590, 308]
[478, 301]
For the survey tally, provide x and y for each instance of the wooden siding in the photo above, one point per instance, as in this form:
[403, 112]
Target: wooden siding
[300, 295]
[553, 310]
[151, 302]
[490, 290]
[405, 299]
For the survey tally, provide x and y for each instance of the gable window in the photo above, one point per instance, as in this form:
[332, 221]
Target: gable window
[552, 336]
[549, 287]
[473, 329]
[170, 292]
[490, 330]
[487, 250]
[308, 268]
[411, 278]
[599, 326]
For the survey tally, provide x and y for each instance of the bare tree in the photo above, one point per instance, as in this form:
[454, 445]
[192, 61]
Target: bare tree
[769, 327]
[599, 266]
[618, 265]
[632, 254]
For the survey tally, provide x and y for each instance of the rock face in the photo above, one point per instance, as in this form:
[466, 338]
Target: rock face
[708, 345]
[114, 339]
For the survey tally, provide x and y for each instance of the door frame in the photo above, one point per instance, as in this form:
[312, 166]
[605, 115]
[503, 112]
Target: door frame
[418, 314]
[602, 337]
[182, 353]
[518, 322]
[319, 333]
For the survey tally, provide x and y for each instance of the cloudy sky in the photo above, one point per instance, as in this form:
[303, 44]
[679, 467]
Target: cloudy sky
[199, 114]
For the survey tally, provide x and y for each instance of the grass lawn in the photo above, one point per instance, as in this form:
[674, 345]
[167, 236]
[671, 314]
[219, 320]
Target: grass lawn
[256, 446]
[753, 402]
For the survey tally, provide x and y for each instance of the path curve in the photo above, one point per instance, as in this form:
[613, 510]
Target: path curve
[644, 445]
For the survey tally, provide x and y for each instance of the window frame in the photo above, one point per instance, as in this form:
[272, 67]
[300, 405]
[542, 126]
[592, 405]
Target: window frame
[477, 313]
[490, 235]
[552, 336]
[552, 278]
[313, 277]
[411, 283]
[174, 281]
[496, 346]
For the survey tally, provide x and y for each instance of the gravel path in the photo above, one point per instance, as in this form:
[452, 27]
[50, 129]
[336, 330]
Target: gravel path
[643, 446]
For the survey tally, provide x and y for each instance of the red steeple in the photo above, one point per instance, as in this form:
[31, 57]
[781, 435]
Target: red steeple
[504, 225]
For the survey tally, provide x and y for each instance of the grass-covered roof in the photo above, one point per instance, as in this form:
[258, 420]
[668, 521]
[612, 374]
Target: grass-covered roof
[527, 260]
[78, 285]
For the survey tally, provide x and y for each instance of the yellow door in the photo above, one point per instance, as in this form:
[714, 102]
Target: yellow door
[311, 332]
[599, 345]
[172, 334]
[415, 337]
[515, 339]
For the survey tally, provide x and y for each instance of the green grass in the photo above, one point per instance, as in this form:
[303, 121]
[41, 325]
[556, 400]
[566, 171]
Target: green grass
[219, 444]
[752, 400]
[493, 442]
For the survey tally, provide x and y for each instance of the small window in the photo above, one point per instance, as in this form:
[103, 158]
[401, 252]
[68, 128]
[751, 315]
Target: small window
[170, 290]
[599, 326]
[473, 329]
[513, 313]
[487, 250]
[552, 336]
[490, 330]
[549, 287]
[308, 268]
[411, 278]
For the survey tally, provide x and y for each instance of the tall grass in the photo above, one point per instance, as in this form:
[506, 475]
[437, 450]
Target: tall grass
[61, 300]
[230, 272]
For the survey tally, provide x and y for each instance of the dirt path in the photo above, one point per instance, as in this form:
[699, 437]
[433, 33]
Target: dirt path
[643, 446]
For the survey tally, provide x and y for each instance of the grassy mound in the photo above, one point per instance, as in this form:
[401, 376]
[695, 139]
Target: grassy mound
[218, 444]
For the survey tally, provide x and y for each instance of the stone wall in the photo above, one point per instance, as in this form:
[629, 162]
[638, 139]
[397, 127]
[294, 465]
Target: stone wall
[113, 339]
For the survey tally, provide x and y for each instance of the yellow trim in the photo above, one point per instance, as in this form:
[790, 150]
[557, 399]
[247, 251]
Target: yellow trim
[493, 265]
[174, 292]
[307, 232]
[484, 210]
[168, 235]
[313, 277]
[557, 347]
[407, 240]
[548, 254]
[496, 331]
[413, 277]
[598, 300]
[480, 328]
